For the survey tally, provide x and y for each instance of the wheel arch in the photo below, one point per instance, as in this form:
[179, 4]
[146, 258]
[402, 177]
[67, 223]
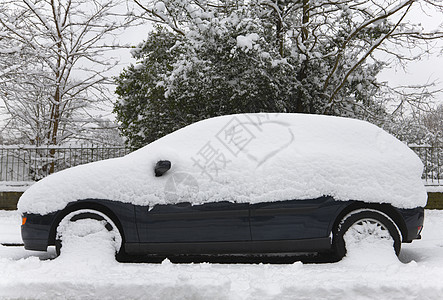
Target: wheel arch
[385, 208]
[85, 204]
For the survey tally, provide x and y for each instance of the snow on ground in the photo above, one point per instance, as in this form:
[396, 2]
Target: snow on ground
[15, 186]
[10, 222]
[90, 271]
[434, 188]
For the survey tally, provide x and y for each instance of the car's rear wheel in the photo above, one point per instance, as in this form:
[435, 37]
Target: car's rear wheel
[365, 227]
[88, 225]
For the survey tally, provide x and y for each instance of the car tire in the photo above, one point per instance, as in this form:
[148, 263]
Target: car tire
[83, 214]
[365, 222]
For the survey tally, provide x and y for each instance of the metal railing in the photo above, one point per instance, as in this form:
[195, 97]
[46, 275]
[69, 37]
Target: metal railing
[432, 158]
[28, 163]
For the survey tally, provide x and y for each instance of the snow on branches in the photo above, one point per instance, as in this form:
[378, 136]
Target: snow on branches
[56, 73]
[234, 56]
[340, 39]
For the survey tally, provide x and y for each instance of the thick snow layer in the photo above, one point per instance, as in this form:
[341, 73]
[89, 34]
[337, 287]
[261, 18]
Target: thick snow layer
[15, 186]
[85, 238]
[247, 42]
[89, 271]
[435, 188]
[10, 222]
[248, 158]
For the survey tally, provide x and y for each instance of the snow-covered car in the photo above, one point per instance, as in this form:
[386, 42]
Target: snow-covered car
[240, 184]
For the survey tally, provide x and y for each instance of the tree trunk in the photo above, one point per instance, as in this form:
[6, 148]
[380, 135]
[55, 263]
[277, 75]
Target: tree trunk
[300, 105]
[55, 112]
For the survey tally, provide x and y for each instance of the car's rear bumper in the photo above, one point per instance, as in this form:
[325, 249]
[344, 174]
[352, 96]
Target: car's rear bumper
[36, 232]
[414, 219]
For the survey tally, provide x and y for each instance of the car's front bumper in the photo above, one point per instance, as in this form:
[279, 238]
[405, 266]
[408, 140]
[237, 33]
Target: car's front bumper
[36, 231]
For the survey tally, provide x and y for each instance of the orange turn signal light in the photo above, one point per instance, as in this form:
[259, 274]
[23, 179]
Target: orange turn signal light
[24, 220]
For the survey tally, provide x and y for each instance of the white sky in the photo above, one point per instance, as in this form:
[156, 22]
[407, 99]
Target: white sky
[132, 36]
[429, 68]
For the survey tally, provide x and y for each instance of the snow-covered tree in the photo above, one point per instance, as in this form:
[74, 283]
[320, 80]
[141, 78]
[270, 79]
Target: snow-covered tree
[9, 58]
[434, 121]
[165, 92]
[58, 77]
[306, 56]
[422, 128]
[142, 106]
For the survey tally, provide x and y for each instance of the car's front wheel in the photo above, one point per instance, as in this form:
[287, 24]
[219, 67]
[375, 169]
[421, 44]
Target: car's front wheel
[365, 227]
[86, 228]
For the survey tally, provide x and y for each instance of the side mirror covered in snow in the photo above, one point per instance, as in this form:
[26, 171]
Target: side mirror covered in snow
[161, 167]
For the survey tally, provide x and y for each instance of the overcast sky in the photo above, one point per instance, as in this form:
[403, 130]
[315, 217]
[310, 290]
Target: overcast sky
[429, 68]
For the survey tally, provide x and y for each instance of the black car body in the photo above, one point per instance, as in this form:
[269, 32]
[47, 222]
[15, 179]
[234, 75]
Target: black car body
[223, 227]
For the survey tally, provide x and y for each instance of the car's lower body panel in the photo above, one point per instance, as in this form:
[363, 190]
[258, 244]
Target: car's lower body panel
[243, 247]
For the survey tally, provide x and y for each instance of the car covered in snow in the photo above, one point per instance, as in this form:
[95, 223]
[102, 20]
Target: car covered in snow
[239, 184]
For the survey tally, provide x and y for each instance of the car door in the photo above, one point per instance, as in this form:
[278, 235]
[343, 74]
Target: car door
[295, 225]
[185, 228]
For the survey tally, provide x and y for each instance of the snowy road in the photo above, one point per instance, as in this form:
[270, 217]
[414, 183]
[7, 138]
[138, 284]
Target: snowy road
[86, 274]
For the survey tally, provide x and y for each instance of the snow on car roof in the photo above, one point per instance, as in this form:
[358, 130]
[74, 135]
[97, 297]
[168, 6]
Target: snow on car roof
[248, 158]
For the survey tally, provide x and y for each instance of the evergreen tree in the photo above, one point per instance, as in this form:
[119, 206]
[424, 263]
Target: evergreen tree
[258, 56]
